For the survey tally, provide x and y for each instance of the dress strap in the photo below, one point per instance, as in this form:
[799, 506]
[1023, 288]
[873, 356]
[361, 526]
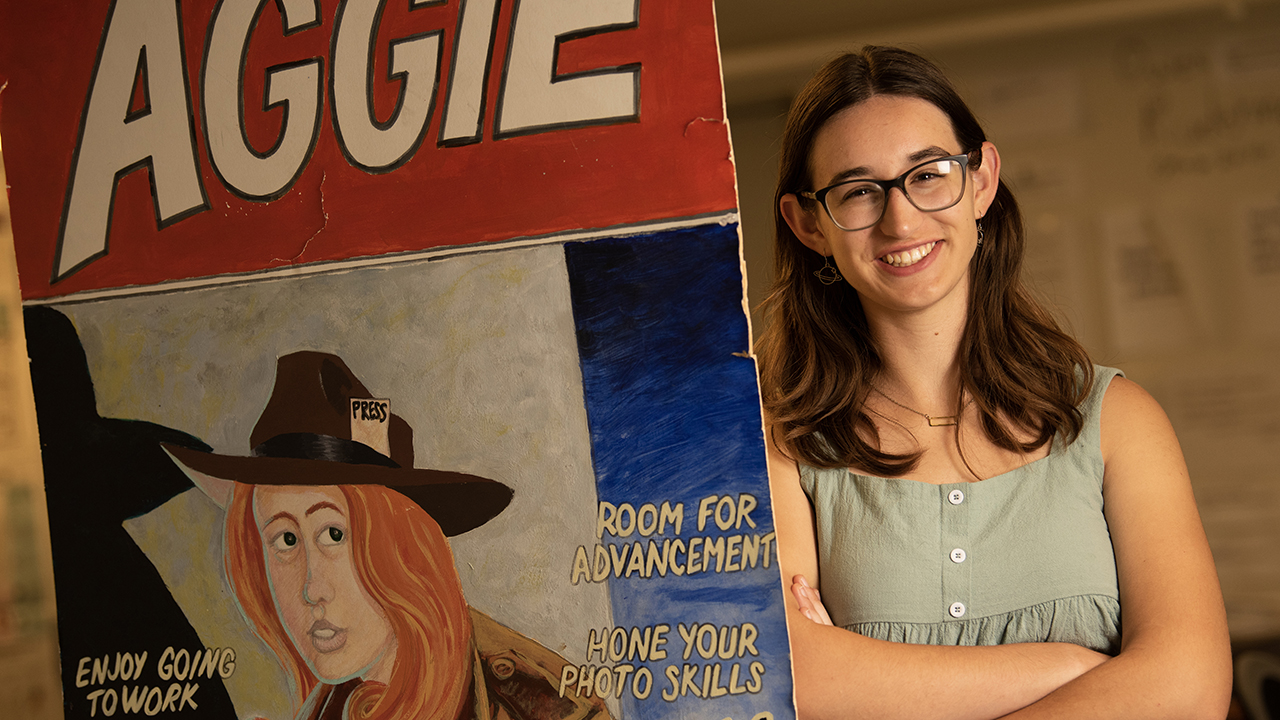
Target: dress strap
[1087, 447]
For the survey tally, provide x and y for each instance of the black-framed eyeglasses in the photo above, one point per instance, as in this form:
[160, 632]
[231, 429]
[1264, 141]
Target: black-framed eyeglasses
[931, 186]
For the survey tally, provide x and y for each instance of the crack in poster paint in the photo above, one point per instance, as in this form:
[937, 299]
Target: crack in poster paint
[323, 224]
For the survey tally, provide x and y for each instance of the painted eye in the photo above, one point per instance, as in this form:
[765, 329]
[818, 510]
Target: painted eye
[331, 535]
[284, 541]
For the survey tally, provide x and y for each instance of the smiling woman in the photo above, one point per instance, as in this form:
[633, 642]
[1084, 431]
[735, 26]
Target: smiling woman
[982, 508]
[927, 222]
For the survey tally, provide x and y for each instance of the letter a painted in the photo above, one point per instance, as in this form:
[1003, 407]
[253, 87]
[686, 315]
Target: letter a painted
[142, 38]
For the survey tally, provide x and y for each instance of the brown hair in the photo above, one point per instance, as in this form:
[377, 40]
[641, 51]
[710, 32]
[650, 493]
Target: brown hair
[817, 355]
[404, 562]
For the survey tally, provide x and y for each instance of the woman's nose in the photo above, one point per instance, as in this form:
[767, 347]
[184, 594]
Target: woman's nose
[900, 217]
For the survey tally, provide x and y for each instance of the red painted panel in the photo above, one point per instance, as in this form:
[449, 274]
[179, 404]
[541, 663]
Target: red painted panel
[674, 162]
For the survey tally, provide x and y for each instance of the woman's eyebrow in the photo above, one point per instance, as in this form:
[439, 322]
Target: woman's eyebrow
[859, 172]
[323, 504]
[933, 151]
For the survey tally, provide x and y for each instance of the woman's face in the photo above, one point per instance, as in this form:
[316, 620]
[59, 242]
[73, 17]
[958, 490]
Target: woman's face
[910, 260]
[333, 622]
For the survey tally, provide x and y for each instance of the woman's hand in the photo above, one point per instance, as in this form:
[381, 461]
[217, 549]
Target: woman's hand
[810, 601]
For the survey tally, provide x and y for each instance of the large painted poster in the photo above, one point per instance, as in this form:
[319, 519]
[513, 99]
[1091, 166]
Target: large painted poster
[390, 359]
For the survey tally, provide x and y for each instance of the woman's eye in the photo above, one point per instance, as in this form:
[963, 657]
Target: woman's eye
[284, 541]
[855, 193]
[331, 535]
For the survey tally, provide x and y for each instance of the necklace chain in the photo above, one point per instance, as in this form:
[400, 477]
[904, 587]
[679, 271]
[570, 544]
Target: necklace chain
[933, 420]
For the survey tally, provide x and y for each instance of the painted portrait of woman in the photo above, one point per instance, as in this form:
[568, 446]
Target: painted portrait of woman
[336, 548]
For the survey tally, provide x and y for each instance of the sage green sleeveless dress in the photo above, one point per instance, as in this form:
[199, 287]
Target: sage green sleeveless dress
[1021, 557]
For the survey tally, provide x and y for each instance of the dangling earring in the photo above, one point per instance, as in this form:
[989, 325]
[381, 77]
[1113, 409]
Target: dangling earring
[828, 274]
[981, 234]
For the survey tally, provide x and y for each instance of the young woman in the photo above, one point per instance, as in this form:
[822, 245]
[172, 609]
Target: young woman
[997, 527]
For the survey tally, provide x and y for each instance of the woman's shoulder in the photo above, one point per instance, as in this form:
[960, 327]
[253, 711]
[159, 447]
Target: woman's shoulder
[1137, 439]
[1130, 414]
[1101, 378]
[786, 466]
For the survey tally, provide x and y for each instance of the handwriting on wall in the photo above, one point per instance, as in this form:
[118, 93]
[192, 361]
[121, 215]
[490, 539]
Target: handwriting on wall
[1203, 107]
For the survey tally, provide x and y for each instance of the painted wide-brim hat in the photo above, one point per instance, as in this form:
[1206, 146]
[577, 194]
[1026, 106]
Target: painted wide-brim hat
[321, 426]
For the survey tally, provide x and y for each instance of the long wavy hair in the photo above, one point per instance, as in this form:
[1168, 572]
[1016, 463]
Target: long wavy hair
[404, 562]
[817, 355]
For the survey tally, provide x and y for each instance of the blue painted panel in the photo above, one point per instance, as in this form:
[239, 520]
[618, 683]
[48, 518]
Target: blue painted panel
[674, 416]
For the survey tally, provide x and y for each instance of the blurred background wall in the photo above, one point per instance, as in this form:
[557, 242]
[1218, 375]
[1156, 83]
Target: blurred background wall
[29, 686]
[1142, 138]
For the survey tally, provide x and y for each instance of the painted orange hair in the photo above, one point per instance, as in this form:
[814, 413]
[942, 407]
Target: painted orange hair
[407, 568]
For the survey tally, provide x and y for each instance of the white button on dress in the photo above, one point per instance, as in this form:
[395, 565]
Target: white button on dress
[958, 555]
[956, 497]
[956, 609]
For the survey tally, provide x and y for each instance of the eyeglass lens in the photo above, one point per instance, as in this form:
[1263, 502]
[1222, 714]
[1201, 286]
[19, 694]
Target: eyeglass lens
[930, 187]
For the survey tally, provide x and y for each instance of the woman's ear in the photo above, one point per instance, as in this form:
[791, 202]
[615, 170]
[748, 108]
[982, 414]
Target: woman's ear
[804, 224]
[986, 178]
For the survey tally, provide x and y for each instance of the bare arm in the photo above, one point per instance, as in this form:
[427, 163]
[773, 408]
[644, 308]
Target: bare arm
[840, 674]
[1175, 659]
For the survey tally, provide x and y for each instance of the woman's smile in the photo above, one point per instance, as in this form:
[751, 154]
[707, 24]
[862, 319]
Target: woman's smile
[907, 258]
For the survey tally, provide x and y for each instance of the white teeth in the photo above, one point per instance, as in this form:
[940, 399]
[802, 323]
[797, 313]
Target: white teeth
[909, 257]
[324, 634]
